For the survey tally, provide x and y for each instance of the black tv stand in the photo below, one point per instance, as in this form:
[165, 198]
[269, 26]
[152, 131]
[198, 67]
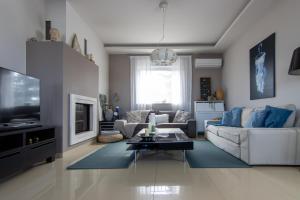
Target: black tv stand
[22, 149]
[18, 126]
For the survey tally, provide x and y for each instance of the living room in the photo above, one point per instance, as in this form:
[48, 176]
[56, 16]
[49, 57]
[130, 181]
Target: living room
[149, 99]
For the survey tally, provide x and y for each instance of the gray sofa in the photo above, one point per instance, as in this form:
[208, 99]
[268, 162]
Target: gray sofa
[189, 127]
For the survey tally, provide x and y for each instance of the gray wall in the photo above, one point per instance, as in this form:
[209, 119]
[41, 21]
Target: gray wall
[62, 71]
[80, 76]
[44, 61]
[282, 18]
[119, 78]
[214, 74]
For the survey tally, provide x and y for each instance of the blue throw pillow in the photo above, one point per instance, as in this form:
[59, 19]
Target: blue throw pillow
[236, 117]
[276, 117]
[226, 119]
[232, 118]
[257, 119]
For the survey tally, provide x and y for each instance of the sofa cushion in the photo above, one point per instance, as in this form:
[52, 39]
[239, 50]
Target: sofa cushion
[134, 116]
[232, 118]
[147, 118]
[227, 118]
[182, 116]
[257, 119]
[144, 115]
[290, 122]
[170, 113]
[164, 118]
[277, 117]
[246, 115]
[230, 133]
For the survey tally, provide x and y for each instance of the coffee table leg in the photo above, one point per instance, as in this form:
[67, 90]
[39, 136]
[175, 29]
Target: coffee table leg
[184, 156]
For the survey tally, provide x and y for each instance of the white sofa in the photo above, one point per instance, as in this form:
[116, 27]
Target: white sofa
[259, 146]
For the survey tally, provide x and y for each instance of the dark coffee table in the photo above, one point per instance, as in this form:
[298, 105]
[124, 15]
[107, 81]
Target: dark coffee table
[165, 139]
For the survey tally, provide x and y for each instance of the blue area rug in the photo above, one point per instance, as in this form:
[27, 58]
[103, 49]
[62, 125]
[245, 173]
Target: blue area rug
[207, 155]
[116, 156]
[112, 156]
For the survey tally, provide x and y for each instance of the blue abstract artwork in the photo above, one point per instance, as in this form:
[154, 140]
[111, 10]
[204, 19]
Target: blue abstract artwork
[262, 69]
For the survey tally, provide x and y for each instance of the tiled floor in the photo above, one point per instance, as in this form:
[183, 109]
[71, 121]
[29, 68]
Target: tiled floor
[154, 177]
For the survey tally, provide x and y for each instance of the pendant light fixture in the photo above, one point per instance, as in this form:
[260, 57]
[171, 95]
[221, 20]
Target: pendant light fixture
[163, 56]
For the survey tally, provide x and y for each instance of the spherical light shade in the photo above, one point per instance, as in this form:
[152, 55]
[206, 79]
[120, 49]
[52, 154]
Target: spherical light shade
[163, 57]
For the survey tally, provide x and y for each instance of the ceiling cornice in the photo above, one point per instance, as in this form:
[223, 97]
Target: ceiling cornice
[247, 16]
[150, 45]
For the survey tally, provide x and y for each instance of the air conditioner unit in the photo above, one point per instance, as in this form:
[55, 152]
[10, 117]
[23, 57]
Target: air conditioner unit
[208, 63]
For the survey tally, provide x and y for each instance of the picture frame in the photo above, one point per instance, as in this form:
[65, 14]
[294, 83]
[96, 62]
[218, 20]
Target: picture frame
[262, 69]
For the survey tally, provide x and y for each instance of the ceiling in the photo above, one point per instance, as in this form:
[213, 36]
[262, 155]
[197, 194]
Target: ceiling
[135, 26]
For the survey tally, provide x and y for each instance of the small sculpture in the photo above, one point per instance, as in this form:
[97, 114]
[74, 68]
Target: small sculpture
[75, 44]
[91, 57]
[54, 34]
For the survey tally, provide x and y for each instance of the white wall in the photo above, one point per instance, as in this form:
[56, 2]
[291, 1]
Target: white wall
[23, 19]
[284, 19]
[19, 21]
[56, 13]
[75, 24]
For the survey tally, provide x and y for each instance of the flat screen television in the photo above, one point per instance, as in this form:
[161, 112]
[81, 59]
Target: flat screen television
[19, 100]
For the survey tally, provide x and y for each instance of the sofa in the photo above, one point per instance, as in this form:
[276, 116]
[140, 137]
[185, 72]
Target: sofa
[259, 146]
[131, 129]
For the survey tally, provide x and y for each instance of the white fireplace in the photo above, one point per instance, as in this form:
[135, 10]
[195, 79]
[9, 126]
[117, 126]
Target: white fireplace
[83, 118]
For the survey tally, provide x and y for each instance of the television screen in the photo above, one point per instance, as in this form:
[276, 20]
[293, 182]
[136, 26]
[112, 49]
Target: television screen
[19, 97]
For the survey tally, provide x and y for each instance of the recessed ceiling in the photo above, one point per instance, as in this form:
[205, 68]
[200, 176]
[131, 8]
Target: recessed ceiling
[134, 24]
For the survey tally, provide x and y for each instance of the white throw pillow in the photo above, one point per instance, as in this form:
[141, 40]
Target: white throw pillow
[134, 116]
[181, 116]
[160, 119]
[246, 115]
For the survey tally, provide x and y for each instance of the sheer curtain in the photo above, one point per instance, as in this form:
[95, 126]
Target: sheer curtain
[161, 84]
[140, 72]
[183, 84]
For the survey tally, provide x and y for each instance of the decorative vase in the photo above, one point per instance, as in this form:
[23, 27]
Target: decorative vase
[109, 114]
[47, 31]
[220, 94]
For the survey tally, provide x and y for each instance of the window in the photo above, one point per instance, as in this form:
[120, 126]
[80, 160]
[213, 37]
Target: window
[160, 84]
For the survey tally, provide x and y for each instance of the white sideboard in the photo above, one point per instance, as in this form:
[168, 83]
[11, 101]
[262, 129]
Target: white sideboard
[206, 110]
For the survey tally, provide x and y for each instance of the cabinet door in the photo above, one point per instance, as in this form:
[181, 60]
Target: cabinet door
[205, 107]
[11, 164]
[219, 107]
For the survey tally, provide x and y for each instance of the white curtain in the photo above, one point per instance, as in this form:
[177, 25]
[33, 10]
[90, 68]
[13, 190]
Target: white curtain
[183, 67]
[161, 84]
[140, 68]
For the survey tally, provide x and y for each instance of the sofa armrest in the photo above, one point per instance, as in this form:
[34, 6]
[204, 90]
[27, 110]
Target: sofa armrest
[298, 146]
[191, 128]
[269, 146]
